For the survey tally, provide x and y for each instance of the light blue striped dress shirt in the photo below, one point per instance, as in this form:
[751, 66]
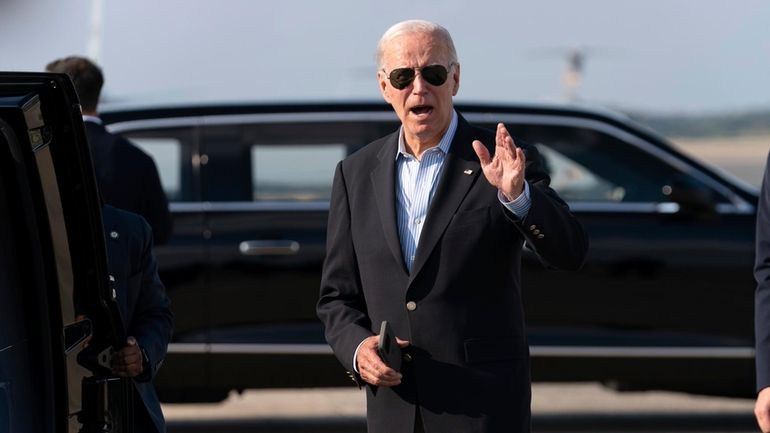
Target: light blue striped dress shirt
[416, 184]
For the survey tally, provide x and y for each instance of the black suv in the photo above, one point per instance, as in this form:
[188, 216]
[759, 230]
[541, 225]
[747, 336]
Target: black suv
[52, 252]
[663, 302]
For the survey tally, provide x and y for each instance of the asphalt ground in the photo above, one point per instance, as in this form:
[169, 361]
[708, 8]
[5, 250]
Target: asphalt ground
[555, 408]
[547, 399]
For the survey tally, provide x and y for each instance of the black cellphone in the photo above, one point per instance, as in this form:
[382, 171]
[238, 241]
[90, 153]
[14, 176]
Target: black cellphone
[387, 348]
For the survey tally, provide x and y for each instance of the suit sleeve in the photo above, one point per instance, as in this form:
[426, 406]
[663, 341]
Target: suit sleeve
[762, 293]
[152, 322]
[341, 305]
[550, 229]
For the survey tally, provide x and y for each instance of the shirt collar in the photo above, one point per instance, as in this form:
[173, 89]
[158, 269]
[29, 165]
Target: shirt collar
[443, 145]
[93, 119]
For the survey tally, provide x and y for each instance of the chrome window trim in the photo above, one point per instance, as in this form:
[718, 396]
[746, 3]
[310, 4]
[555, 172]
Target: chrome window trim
[171, 122]
[649, 207]
[738, 205]
[251, 349]
[535, 351]
[249, 206]
[322, 206]
[233, 119]
[642, 352]
[331, 116]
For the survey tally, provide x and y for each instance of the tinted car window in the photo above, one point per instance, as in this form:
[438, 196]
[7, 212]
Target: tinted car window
[167, 153]
[174, 153]
[591, 165]
[277, 161]
[294, 173]
[20, 347]
[576, 182]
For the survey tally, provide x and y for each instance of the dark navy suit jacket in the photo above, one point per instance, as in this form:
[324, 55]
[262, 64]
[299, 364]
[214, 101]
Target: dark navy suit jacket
[128, 179]
[762, 275]
[142, 301]
[461, 305]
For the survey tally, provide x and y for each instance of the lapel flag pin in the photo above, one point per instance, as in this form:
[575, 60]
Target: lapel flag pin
[468, 172]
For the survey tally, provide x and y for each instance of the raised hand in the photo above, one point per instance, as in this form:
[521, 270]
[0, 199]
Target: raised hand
[504, 170]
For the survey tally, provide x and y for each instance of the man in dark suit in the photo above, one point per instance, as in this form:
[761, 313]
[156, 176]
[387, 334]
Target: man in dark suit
[144, 309]
[426, 228]
[762, 304]
[127, 177]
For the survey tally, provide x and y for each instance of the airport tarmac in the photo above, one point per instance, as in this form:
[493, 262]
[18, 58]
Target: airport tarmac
[547, 399]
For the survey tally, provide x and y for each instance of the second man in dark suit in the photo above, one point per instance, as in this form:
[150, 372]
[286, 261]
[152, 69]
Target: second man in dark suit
[144, 309]
[127, 177]
[426, 228]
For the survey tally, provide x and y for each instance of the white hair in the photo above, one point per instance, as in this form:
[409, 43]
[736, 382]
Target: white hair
[416, 26]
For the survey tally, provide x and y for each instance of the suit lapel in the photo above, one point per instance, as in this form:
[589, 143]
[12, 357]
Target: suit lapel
[461, 169]
[383, 179]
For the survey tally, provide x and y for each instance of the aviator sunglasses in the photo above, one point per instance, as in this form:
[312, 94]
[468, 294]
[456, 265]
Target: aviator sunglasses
[435, 75]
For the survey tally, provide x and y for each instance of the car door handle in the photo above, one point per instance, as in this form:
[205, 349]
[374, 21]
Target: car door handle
[268, 248]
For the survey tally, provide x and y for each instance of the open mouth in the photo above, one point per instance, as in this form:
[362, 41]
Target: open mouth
[421, 109]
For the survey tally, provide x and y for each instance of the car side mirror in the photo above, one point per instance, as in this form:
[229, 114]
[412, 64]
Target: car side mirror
[694, 198]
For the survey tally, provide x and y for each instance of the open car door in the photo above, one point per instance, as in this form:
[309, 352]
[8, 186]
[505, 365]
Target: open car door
[55, 293]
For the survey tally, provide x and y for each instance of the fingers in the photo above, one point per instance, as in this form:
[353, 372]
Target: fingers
[500, 135]
[372, 369]
[504, 143]
[505, 148]
[521, 158]
[505, 169]
[402, 343]
[128, 361]
[482, 153]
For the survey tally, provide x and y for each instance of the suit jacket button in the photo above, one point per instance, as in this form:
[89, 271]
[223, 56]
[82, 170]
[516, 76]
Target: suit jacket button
[407, 357]
[532, 227]
[535, 232]
[540, 236]
[411, 305]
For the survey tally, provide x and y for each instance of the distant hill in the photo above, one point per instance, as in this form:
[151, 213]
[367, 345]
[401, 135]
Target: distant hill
[754, 122]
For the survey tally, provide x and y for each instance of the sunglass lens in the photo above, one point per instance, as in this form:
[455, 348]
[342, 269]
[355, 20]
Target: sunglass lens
[434, 74]
[401, 77]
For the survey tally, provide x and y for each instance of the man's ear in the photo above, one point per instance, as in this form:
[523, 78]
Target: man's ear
[456, 75]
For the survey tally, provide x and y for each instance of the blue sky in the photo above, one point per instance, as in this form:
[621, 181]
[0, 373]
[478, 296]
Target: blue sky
[656, 55]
